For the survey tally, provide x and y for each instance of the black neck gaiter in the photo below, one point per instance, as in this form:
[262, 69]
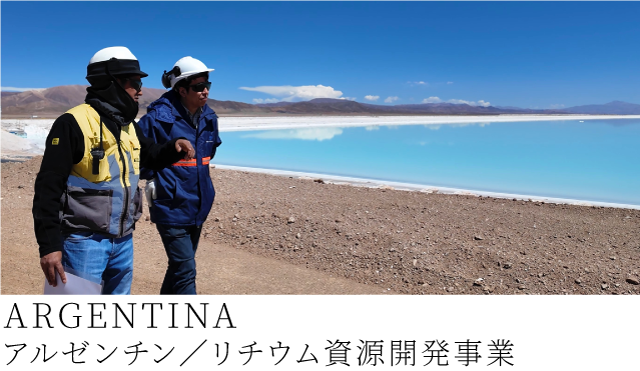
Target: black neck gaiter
[114, 102]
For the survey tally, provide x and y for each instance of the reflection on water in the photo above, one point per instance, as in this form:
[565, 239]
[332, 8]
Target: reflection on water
[459, 125]
[594, 160]
[616, 122]
[318, 134]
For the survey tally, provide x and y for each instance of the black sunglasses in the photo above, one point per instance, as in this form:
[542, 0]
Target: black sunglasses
[199, 87]
[136, 84]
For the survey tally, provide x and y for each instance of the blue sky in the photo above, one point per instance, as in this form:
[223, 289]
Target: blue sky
[532, 55]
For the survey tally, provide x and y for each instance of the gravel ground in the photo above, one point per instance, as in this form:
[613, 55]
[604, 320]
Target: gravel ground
[385, 240]
[417, 243]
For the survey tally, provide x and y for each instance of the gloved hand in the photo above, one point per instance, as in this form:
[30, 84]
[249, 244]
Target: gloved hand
[150, 191]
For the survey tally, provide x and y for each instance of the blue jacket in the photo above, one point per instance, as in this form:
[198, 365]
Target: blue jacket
[184, 190]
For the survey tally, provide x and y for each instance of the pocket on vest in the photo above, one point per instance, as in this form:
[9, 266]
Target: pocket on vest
[137, 205]
[87, 208]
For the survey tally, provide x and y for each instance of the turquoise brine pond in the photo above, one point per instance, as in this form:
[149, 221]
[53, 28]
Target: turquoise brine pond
[594, 160]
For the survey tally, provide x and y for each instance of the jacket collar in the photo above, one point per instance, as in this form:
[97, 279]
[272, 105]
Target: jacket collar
[169, 108]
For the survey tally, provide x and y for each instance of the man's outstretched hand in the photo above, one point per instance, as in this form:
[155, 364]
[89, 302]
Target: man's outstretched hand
[183, 145]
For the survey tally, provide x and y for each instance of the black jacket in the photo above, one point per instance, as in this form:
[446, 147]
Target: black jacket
[59, 159]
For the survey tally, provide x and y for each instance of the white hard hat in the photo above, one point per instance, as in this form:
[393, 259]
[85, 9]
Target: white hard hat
[115, 60]
[184, 68]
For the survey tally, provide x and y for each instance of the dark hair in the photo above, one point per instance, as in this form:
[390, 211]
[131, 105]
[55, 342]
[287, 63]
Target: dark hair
[184, 83]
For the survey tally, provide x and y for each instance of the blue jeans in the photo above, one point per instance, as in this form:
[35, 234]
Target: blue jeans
[99, 258]
[180, 244]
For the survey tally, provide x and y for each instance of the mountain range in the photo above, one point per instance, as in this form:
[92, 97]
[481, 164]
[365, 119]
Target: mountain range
[52, 102]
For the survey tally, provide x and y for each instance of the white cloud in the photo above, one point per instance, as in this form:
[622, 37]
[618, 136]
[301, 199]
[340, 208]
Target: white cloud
[449, 82]
[318, 134]
[289, 93]
[268, 100]
[460, 101]
[9, 88]
[432, 100]
[418, 83]
[349, 98]
[391, 99]
[480, 103]
[372, 98]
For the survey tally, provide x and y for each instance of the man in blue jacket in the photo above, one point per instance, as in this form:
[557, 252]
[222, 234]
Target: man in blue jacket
[182, 194]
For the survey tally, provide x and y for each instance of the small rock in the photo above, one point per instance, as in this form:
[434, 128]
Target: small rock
[450, 289]
[478, 238]
[20, 186]
[319, 181]
[478, 282]
[298, 235]
[217, 219]
[235, 219]
[612, 257]
[146, 218]
[415, 262]
[507, 265]
[540, 275]
[604, 286]
[633, 281]
[578, 281]
[291, 220]
[522, 287]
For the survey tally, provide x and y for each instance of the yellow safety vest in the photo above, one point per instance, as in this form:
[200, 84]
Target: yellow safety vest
[108, 202]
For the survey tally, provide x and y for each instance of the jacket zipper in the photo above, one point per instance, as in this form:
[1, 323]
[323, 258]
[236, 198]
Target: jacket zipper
[125, 202]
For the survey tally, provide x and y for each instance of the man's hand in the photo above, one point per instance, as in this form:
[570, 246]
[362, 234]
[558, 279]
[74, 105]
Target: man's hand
[183, 145]
[52, 263]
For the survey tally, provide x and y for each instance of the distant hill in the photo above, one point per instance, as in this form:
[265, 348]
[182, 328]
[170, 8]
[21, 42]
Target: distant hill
[232, 108]
[9, 93]
[612, 108]
[52, 102]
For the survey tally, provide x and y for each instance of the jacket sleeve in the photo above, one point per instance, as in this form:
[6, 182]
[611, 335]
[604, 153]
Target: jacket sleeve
[146, 127]
[217, 139]
[154, 156]
[64, 147]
